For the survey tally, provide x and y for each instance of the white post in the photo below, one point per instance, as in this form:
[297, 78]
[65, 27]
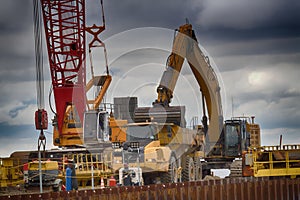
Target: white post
[40, 172]
[139, 178]
[92, 169]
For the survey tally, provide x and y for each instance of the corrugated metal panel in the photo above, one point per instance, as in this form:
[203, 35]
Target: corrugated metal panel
[224, 189]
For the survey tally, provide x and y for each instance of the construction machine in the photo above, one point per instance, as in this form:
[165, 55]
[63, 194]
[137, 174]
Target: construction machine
[10, 173]
[76, 115]
[50, 175]
[167, 151]
[79, 121]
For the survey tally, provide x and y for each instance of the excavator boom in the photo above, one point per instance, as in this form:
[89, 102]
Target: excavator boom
[185, 46]
[174, 65]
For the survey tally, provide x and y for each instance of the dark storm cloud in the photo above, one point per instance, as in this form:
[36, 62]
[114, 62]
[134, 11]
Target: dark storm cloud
[269, 16]
[260, 47]
[16, 69]
[15, 15]
[255, 62]
[128, 14]
[15, 20]
[16, 41]
[231, 28]
[263, 27]
[216, 20]
[249, 35]
[15, 132]
[271, 96]
[281, 115]
[138, 57]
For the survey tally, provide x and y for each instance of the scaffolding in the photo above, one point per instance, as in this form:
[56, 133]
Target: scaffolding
[275, 161]
[90, 168]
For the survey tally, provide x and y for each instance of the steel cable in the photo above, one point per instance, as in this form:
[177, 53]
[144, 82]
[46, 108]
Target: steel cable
[38, 54]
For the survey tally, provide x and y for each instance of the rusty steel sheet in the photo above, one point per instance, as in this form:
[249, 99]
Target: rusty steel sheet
[224, 189]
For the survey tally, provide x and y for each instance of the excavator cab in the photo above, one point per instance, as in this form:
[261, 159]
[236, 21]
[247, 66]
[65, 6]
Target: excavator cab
[236, 137]
[95, 127]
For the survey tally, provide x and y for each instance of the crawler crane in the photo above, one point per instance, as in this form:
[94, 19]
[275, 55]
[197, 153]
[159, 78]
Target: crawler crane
[76, 116]
[80, 127]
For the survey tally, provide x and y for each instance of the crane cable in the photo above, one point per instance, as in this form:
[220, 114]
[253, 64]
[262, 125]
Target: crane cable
[39, 78]
[39, 62]
[38, 54]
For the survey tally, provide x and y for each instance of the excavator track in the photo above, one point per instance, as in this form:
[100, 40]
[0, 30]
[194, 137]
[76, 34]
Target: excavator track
[236, 169]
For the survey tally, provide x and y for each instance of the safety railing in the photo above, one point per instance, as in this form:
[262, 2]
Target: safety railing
[276, 161]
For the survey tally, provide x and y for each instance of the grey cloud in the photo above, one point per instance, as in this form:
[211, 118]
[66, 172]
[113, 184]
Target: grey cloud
[257, 47]
[16, 41]
[277, 108]
[282, 113]
[138, 57]
[128, 14]
[243, 14]
[271, 136]
[14, 112]
[14, 131]
[259, 23]
[15, 16]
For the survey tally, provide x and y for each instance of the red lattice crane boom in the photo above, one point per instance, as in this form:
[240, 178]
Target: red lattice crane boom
[65, 27]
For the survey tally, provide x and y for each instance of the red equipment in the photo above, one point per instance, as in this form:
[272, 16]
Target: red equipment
[65, 27]
[64, 23]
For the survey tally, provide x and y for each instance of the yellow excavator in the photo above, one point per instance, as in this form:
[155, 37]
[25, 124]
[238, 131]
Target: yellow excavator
[159, 145]
[185, 46]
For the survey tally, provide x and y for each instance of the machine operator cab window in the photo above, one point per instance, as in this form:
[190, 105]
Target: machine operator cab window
[236, 137]
[95, 127]
[232, 139]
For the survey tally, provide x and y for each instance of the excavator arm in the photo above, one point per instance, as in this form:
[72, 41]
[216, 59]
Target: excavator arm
[174, 65]
[185, 46]
[208, 82]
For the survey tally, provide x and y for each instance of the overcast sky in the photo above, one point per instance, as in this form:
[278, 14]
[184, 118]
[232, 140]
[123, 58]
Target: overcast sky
[255, 46]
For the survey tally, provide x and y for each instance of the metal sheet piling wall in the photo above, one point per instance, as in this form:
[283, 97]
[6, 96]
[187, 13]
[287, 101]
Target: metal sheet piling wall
[224, 189]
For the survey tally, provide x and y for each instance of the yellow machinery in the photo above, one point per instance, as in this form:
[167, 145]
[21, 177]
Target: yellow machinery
[154, 149]
[88, 164]
[90, 168]
[118, 129]
[167, 150]
[165, 147]
[10, 172]
[272, 161]
[185, 46]
[50, 174]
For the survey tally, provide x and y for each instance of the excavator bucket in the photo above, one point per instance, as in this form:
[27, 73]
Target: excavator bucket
[161, 114]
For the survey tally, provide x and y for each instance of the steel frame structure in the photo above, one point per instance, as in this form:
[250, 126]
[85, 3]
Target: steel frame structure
[64, 23]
